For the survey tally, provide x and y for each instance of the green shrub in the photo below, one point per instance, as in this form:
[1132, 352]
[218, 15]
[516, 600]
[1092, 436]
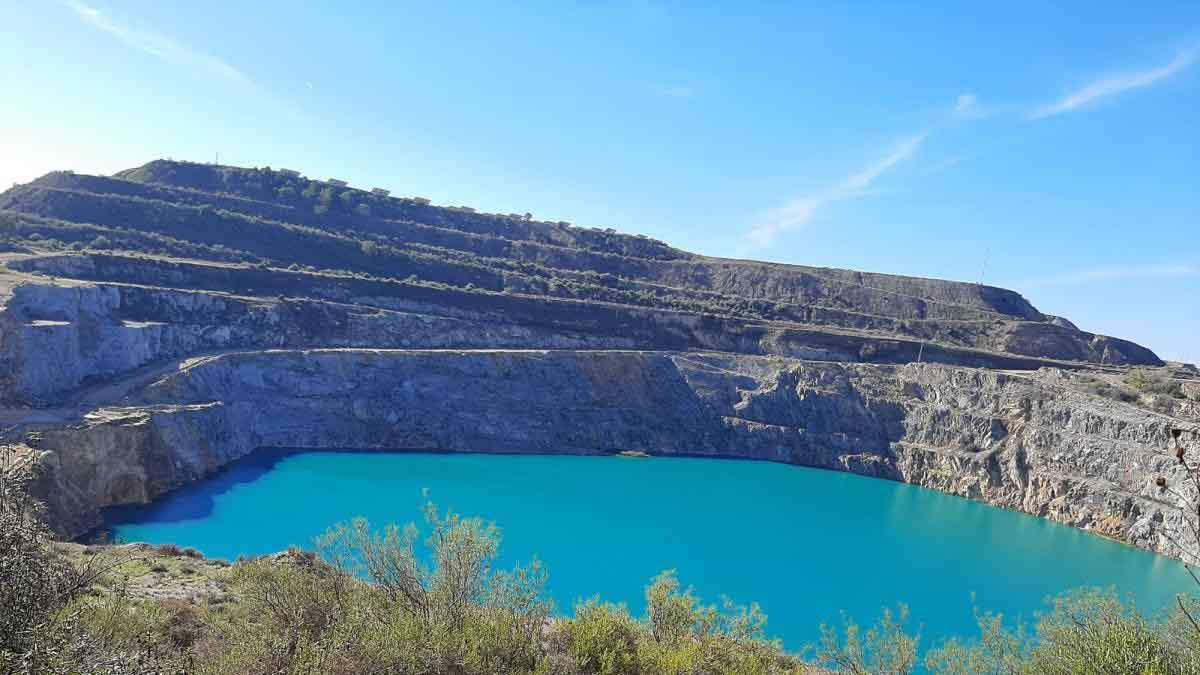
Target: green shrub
[998, 651]
[1086, 631]
[678, 635]
[34, 582]
[457, 609]
[1149, 382]
[37, 585]
[1094, 632]
[603, 639]
[1101, 388]
[172, 550]
[885, 648]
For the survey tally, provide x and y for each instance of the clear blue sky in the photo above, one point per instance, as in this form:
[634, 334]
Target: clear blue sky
[1054, 150]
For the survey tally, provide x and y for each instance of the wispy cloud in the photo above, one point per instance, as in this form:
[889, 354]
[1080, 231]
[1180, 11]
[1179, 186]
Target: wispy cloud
[966, 107]
[799, 211]
[1107, 273]
[863, 179]
[160, 46]
[1116, 84]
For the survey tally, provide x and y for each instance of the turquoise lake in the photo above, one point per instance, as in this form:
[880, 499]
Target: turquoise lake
[804, 543]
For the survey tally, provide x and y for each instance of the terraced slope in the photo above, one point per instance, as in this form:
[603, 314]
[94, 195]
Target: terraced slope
[161, 322]
[286, 245]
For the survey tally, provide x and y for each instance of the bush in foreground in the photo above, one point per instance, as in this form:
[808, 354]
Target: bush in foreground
[405, 601]
[679, 634]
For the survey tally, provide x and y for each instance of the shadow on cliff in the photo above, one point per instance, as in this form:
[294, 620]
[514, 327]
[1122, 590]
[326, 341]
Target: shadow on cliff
[193, 501]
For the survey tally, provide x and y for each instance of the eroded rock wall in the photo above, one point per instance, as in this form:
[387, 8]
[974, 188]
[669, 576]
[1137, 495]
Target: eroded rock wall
[59, 338]
[1018, 441]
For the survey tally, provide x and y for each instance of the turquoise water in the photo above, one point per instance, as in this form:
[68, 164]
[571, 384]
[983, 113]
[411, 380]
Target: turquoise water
[806, 544]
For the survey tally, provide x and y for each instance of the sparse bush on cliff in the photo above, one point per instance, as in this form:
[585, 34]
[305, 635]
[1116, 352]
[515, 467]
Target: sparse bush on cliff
[1187, 499]
[1099, 387]
[34, 583]
[1149, 382]
[38, 633]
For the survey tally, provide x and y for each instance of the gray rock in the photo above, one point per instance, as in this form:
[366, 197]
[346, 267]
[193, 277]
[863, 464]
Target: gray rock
[1020, 441]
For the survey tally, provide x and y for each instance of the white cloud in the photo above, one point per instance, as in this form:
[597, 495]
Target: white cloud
[967, 107]
[1114, 85]
[797, 212]
[863, 179]
[787, 217]
[1106, 273]
[160, 46]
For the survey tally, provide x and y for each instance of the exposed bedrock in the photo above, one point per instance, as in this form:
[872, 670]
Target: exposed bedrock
[954, 325]
[1023, 442]
[56, 338]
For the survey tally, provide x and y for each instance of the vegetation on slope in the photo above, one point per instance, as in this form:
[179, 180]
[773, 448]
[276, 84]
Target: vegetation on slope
[1143, 387]
[278, 218]
[480, 261]
[325, 197]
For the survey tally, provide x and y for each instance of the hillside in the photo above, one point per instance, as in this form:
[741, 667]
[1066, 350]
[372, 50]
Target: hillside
[339, 256]
[165, 321]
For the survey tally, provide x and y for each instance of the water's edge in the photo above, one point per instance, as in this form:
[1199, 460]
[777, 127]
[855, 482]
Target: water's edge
[275, 455]
[1018, 442]
[816, 543]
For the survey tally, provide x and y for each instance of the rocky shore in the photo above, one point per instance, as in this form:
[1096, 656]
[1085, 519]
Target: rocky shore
[1025, 441]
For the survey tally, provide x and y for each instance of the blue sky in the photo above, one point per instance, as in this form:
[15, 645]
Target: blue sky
[1053, 150]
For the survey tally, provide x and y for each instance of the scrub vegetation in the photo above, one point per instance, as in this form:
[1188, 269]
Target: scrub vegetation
[429, 599]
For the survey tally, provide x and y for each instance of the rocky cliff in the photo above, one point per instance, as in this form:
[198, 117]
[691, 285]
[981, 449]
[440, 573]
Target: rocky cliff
[161, 323]
[1030, 441]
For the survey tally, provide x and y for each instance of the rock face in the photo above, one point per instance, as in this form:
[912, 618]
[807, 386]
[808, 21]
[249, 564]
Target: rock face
[59, 337]
[161, 323]
[1024, 442]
